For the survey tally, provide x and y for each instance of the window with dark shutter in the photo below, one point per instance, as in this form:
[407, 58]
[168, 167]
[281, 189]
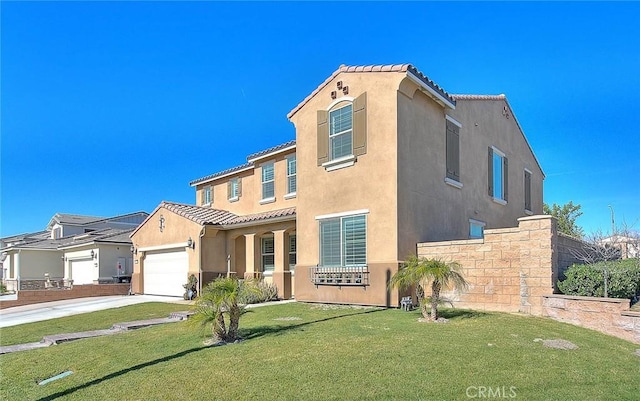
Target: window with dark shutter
[453, 151]
[323, 137]
[360, 125]
[527, 191]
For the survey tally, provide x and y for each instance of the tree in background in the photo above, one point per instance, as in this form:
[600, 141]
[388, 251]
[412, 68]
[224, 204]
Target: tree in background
[566, 215]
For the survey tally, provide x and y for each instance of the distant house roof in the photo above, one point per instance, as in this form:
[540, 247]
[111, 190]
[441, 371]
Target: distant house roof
[82, 220]
[402, 68]
[107, 235]
[247, 166]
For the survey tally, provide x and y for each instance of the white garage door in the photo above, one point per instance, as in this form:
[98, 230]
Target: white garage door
[83, 271]
[165, 273]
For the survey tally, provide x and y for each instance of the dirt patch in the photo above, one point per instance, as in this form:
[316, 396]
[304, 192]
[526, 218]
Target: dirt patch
[339, 307]
[557, 344]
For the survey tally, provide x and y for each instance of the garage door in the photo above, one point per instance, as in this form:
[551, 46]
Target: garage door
[165, 273]
[83, 271]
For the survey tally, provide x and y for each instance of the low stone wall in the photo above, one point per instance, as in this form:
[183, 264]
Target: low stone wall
[607, 315]
[54, 294]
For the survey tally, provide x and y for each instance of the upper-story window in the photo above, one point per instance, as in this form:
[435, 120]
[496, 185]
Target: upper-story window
[453, 152]
[207, 195]
[342, 132]
[527, 191]
[268, 182]
[291, 175]
[234, 189]
[57, 233]
[498, 175]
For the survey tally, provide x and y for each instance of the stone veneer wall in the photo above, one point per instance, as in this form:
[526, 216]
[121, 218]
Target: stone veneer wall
[607, 315]
[510, 270]
[78, 291]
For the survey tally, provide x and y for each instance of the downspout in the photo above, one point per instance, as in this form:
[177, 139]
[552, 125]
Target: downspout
[202, 234]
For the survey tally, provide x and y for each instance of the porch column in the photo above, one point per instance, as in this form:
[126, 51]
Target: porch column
[250, 255]
[231, 257]
[281, 273]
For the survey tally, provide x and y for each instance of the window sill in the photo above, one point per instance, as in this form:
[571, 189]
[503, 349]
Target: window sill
[291, 195]
[342, 162]
[234, 199]
[206, 204]
[528, 212]
[453, 183]
[267, 200]
[500, 201]
[267, 273]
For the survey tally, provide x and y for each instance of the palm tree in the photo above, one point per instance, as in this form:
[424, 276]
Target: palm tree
[222, 296]
[422, 271]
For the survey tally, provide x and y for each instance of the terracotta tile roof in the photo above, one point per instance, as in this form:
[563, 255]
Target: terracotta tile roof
[271, 150]
[199, 214]
[110, 235]
[479, 97]
[241, 167]
[221, 173]
[260, 217]
[402, 68]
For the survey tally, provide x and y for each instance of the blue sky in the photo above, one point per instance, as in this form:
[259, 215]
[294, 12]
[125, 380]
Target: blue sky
[112, 107]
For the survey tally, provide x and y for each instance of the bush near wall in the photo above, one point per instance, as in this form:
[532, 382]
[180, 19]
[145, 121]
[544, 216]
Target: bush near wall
[588, 280]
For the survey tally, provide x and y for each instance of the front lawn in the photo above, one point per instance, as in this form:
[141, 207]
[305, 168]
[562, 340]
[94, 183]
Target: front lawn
[304, 352]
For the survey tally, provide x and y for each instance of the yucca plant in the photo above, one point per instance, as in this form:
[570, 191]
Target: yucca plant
[422, 271]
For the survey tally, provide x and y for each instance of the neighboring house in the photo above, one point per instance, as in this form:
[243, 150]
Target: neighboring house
[629, 246]
[383, 159]
[85, 249]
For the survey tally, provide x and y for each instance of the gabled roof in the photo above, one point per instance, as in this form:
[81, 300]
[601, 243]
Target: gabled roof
[398, 68]
[247, 166]
[198, 214]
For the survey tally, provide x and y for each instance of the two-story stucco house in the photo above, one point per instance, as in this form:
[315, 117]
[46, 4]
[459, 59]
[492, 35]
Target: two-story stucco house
[383, 159]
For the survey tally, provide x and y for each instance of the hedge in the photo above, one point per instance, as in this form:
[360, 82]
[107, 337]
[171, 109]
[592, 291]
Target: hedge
[588, 280]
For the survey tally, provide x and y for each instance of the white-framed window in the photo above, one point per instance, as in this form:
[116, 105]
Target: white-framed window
[268, 181]
[341, 132]
[293, 248]
[292, 183]
[343, 241]
[234, 189]
[268, 254]
[57, 233]
[207, 195]
[476, 229]
[498, 175]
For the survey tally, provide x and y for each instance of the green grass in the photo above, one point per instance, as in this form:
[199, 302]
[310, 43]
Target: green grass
[338, 354]
[33, 332]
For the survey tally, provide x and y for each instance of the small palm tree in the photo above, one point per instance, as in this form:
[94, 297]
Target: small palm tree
[421, 271]
[222, 296]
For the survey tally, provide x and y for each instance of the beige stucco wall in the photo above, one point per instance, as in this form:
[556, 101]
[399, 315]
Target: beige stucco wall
[369, 184]
[249, 201]
[429, 209]
[177, 230]
[35, 263]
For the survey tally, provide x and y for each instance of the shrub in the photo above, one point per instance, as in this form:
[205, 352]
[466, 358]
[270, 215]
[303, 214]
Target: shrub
[265, 292]
[588, 280]
[3, 288]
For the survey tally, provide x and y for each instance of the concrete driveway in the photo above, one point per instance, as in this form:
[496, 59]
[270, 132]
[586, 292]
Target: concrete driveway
[51, 310]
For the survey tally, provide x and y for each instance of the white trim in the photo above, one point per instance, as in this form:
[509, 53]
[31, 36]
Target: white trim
[267, 200]
[270, 154]
[290, 195]
[341, 99]
[453, 183]
[528, 171]
[335, 164]
[528, 212]
[499, 201]
[342, 214]
[498, 151]
[431, 91]
[162, 247]
[223, 176]
[234, 199]
[453, 120]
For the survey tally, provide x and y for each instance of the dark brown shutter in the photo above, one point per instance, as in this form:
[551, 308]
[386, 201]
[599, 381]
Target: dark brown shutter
[360, 125]
[505, 177]
[239, 187]
[527, 190]
[229, 189]
[453, 151]
[323, 137]
[490, 171]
